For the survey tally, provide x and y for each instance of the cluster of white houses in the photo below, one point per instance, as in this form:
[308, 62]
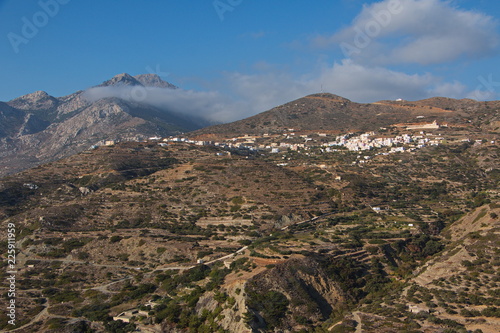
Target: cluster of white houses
[368, 141]
[289, 140]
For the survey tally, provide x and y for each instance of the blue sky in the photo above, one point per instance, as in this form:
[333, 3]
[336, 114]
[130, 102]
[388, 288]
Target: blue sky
[246, 56]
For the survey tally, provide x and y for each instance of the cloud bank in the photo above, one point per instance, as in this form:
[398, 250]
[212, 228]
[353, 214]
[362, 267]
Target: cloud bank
[207, 104]
[357, 82]
[415, 32]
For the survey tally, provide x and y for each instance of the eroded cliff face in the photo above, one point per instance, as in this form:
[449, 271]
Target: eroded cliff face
[311, 296]
[231, 314]
[292, 295]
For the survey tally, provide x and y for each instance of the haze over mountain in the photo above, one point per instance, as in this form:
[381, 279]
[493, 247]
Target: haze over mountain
[37, 127]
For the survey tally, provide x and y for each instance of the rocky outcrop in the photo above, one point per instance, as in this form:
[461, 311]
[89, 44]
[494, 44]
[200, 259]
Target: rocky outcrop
[310, 293]
[39, 100]
[153, 80]
[293, 295]
[286, 220]
[232, 315]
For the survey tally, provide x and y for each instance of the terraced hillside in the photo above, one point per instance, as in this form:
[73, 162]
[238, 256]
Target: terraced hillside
[183, 237]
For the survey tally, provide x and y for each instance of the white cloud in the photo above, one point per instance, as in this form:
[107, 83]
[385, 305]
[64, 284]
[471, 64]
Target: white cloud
[368, 84]
[261, 92]
[452, 90]
[206, 104]
[348, 79]
[415, 31]
[385, 33]
[242, 96]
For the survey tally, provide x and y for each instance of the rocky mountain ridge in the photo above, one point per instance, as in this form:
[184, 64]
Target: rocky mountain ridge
[37, 128]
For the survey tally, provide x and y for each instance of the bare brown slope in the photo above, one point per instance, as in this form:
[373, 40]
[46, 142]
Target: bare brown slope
[206, 187]
[473, 256]
[332, 113]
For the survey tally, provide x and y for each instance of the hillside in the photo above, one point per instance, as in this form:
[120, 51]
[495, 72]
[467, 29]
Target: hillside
[455, 290]
[327, 112]
[225, 237]
[37, 128]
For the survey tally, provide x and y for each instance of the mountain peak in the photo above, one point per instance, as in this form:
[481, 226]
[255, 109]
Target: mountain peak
[329, 97]
[34, 101]
[153, 80]
[39, 94]
[35, 95]
[121, 79]
[146, 80]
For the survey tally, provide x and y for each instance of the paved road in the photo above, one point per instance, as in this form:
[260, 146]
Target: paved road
[228, 256]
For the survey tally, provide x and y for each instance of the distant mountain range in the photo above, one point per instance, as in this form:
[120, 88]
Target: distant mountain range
[37, 128]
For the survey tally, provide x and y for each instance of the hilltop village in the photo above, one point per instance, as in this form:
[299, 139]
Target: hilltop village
[400, 138]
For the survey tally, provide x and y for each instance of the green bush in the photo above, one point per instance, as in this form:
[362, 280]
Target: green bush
[491, 312]
[94, 312]
[271, 305]
[238, 200]
[115, 239]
